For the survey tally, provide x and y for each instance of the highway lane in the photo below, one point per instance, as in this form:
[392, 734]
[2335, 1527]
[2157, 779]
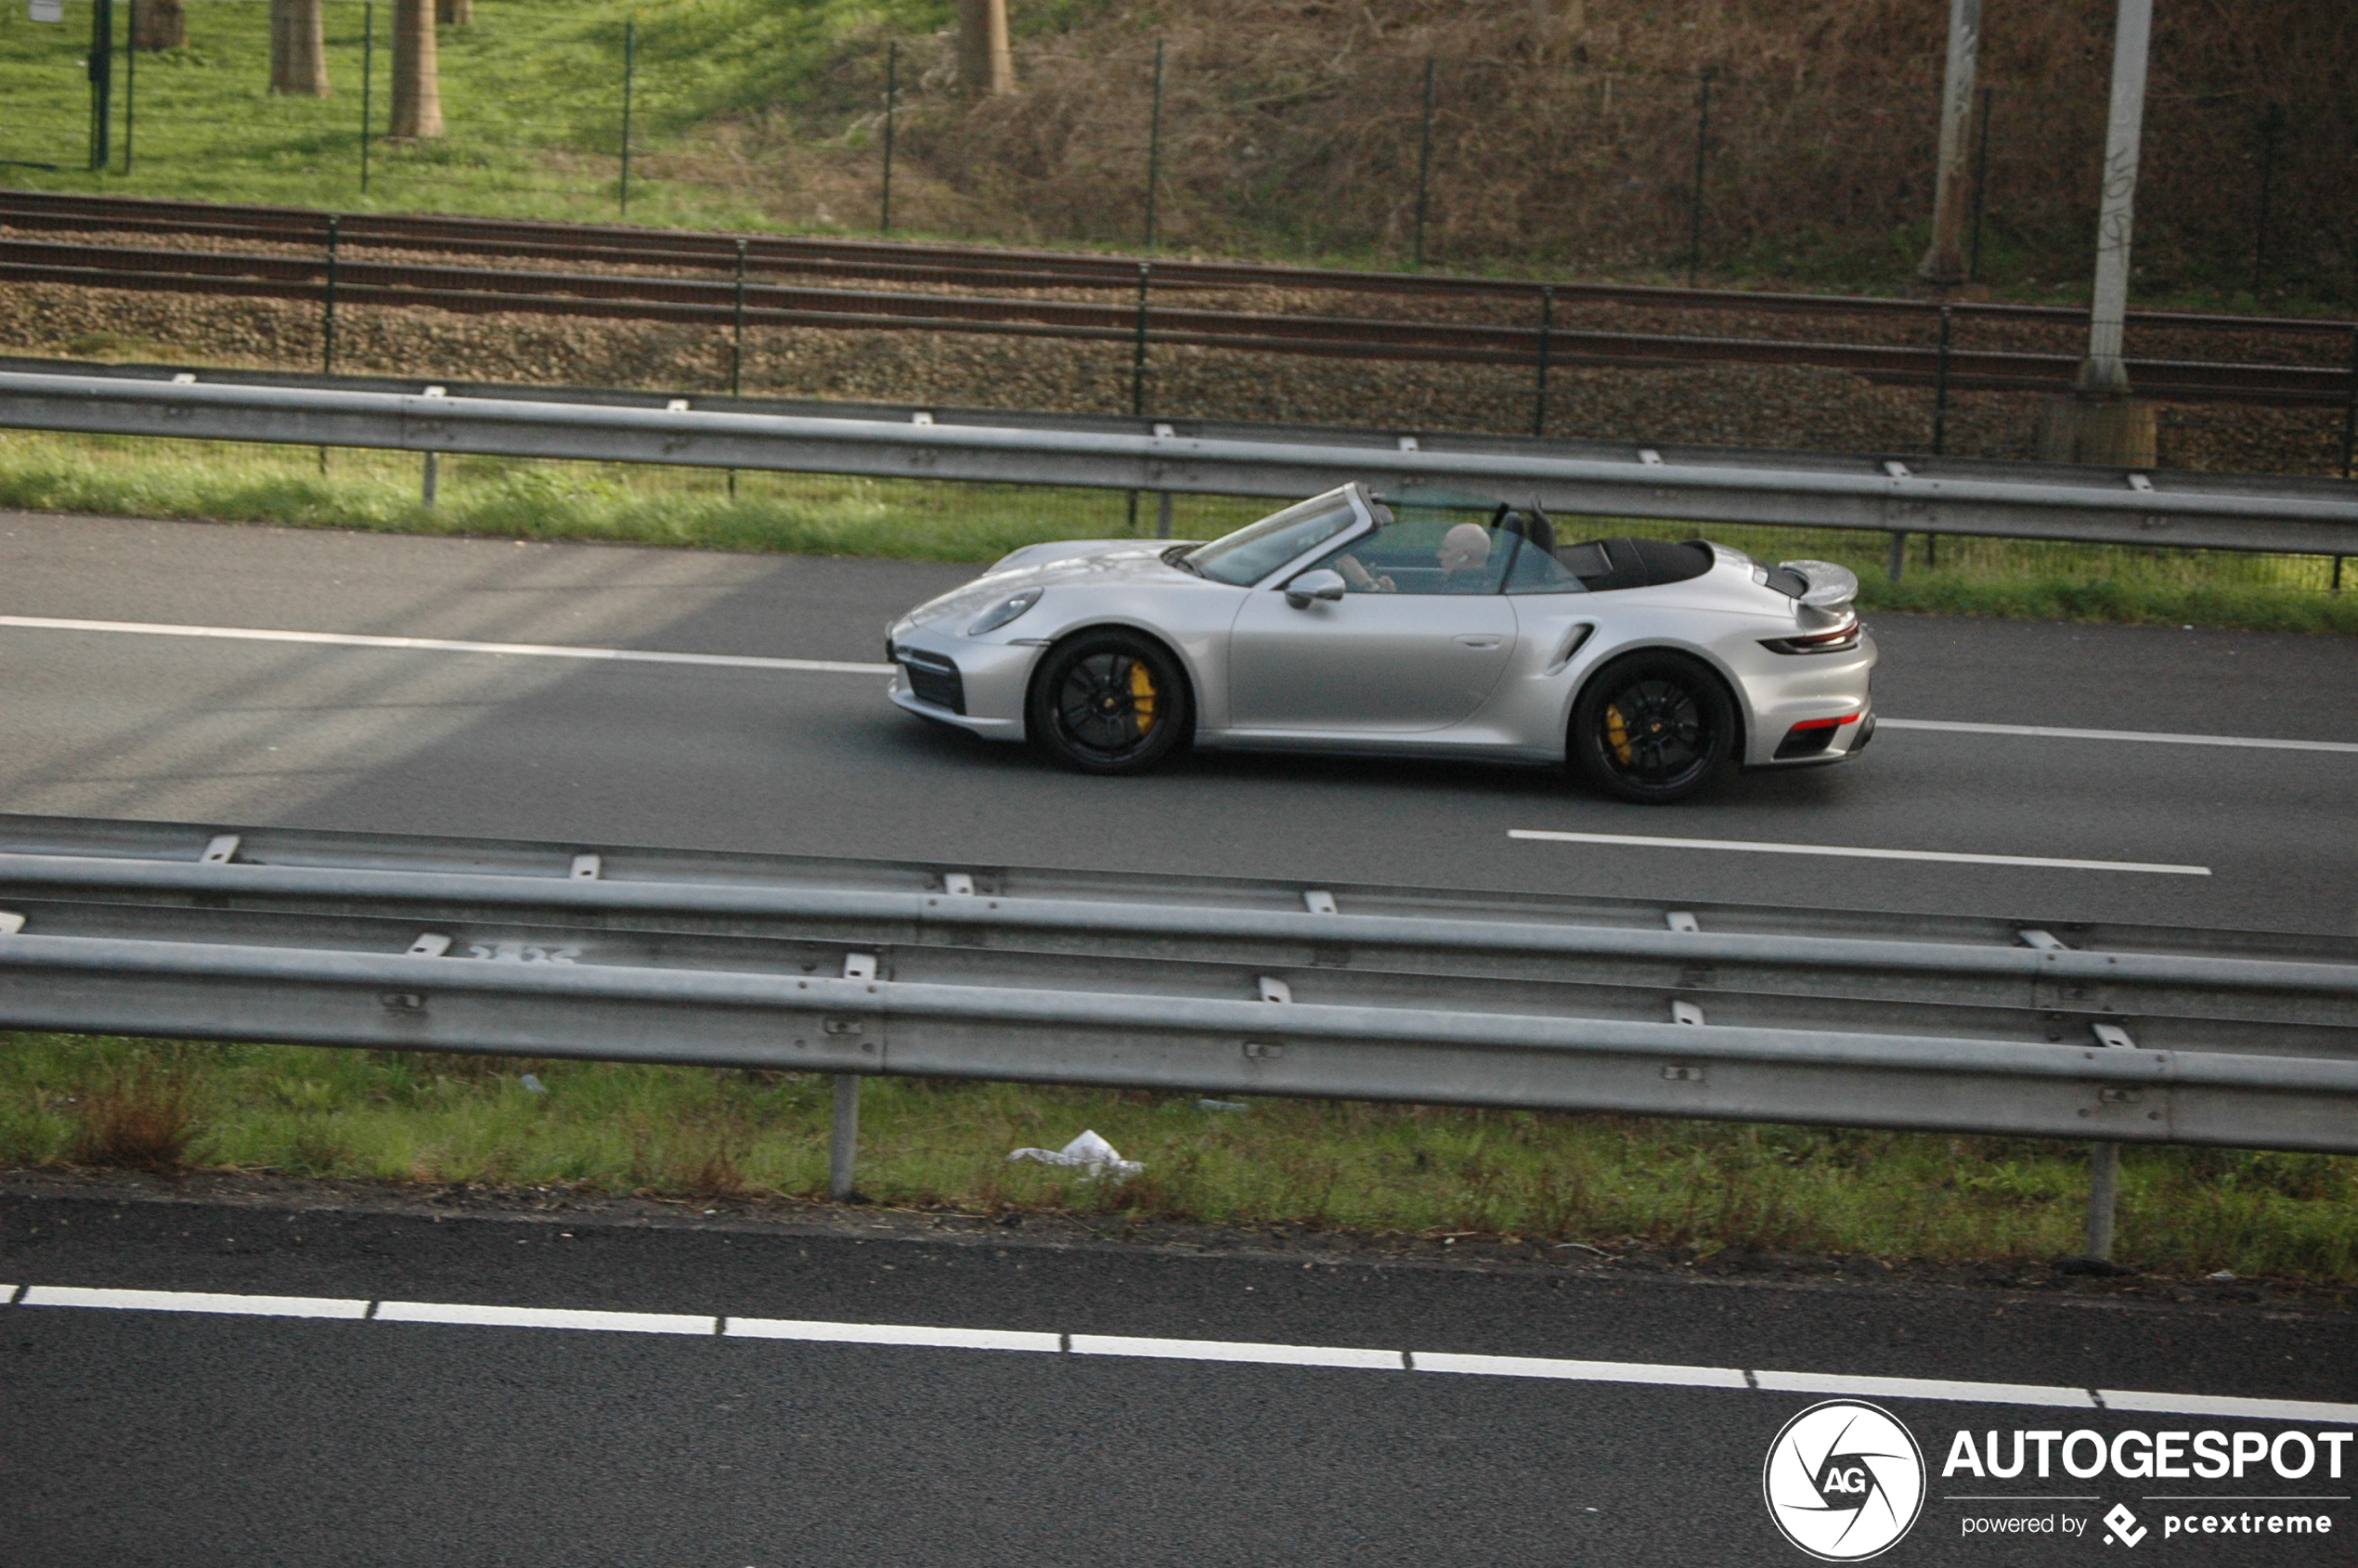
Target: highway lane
[114, 724]
[137, 1437]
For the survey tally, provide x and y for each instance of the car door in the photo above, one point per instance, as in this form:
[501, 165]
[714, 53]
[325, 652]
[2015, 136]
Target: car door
[1410, 646]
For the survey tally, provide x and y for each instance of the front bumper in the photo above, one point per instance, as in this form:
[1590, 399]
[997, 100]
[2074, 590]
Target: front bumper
[975, 685]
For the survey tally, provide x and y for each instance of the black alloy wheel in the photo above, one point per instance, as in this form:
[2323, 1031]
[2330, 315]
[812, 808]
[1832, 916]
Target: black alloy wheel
[1652, 728]
[1110, 702]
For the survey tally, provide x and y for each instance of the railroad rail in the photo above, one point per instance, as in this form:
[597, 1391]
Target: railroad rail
[737, 299]
[2111, 1033]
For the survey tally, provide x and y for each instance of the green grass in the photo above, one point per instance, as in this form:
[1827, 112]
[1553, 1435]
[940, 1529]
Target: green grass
[917, 520]
[532, 93]
[1604, 1181]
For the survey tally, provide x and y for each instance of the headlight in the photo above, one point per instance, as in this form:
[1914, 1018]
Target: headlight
[1007, 609]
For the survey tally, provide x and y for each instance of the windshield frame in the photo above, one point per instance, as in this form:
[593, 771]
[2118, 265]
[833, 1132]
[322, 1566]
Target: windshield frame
[1363, 519]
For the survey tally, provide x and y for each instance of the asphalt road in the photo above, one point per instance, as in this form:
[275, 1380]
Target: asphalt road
[133, 1436]
[140, 1437]
[109, 724]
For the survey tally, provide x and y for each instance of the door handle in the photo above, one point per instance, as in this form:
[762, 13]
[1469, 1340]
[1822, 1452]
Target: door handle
[1479, 640]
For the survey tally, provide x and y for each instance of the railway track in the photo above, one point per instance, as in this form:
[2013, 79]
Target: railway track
[755, 292]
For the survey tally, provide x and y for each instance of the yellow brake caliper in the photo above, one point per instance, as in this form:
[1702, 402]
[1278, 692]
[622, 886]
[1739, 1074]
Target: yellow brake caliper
[1617, 733]
[1142, 696]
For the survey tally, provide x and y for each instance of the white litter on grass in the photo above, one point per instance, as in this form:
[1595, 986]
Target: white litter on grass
[1088, 1153]
[532, 1084]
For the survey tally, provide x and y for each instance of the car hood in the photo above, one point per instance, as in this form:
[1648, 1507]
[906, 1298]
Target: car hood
[1080, 563]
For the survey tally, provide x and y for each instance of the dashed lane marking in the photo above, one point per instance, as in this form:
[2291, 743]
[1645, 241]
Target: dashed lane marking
[1339, 1357]
[1844, 852]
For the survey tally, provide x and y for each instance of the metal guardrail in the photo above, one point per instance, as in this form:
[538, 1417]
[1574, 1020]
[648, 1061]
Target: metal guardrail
[856, 969]
[1950, 496]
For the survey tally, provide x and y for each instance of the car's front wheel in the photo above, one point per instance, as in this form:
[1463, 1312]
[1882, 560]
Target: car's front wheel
[1110, 702]
[1652, 728]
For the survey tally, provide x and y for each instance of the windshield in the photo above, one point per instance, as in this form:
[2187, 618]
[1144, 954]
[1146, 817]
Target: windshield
[1256, 550]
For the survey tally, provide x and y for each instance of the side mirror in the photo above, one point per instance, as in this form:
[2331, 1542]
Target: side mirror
[1321, 584]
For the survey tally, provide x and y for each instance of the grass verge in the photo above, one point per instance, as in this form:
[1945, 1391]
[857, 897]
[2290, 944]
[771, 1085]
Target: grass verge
[925, 521]
[1604, 1181]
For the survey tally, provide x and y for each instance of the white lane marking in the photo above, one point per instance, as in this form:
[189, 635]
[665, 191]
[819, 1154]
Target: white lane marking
[1659, 1374]
[1850, 852]
[543, 1318]
[844, 666]
[1583, 1371]
[2045, 732]
[890, 1334]
[2209, 1404]
[192, 1300]
[1226, 1350]
[448, 646]
[1929, 1388]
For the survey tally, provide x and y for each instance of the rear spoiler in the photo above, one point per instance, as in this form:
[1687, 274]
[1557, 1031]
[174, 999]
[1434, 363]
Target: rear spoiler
[1824, 586]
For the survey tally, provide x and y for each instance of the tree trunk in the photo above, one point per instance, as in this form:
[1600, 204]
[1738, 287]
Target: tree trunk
[417, 91]
[454, 13]
[299, 48]
[162, 25]
[986, 65]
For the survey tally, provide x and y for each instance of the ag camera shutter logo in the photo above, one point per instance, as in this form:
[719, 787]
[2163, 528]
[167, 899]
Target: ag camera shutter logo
[1843, 1481]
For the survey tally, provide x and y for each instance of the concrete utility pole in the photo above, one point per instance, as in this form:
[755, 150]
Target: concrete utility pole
[2101, 372]
[2099, 422]
[1944, 264]
[986, 63]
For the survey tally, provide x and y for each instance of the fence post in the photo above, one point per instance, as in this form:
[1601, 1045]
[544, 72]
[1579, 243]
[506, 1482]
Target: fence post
[1694, 209]
[328, 313]
[368, 79]
[1980, 184]
[1424, 164]
[1138, 349]
[1547, 343]
[892, 93]
[1940, 387]
[1154, 171]
[843, 1138]
[2350, 407]
[630, 65]
[737, 348]
[101, 82]
[130, 79]
[2272, 126]
[2104, 1191]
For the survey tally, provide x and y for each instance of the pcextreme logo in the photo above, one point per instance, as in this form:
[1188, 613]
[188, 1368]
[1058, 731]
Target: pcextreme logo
[1843, 1481]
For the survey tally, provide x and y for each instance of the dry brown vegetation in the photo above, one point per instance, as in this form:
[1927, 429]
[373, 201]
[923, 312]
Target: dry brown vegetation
[1565, 133]
[141, 1116]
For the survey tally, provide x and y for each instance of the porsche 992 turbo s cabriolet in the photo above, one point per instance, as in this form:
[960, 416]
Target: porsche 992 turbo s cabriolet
[1345, 623]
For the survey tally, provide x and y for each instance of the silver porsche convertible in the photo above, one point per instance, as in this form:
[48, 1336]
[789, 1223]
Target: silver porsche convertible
[1403, 625]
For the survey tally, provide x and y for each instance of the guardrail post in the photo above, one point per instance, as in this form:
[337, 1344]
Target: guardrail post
[843, 1137]
[1424, 164]
[1899, 555]
[432, 478]
[1163, 514]
[2104, 1188]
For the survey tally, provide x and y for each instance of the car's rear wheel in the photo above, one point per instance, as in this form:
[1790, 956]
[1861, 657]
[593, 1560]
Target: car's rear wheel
[1653, 727]
[1110, 702]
